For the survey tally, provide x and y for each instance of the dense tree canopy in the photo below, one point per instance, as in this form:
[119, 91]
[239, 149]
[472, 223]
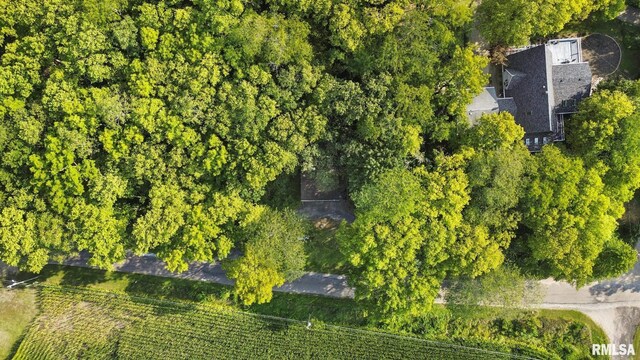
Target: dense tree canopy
[514, 22]
[606, 132]
[149, 129]
[128, 125]
[398, 245]
[456, 216]
[155, 126]
[568, 214]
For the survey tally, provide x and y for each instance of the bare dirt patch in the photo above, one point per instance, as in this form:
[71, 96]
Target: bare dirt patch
[326, 224]
[603, 54]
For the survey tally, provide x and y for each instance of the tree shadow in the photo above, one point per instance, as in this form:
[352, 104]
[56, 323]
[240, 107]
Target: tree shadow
[64, 275]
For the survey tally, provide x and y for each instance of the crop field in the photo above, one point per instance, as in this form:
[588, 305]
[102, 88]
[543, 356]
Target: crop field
[84, 324]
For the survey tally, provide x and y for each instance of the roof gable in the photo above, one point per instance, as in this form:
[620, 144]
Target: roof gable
[532, 91]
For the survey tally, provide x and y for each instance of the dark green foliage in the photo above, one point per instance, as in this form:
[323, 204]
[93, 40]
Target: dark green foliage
[283, 192]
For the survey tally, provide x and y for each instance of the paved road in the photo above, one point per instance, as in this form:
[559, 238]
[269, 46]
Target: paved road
[310, 283]
[613, 304]
[630, 15]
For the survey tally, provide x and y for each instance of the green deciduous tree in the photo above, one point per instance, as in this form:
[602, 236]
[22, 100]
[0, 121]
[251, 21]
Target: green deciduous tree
[255, 278]
[496, 173]
[273, 252]
[568, 217]
[616, 258]
[383, 245]
[507, 22]
[398, 246]
[606, 131]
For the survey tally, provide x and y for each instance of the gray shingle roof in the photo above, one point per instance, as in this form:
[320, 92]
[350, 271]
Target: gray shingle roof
[508, 104]
[485, 103]
[571, 83]
[531, 92]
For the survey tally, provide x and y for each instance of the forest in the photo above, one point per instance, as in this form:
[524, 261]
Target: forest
[159, 126]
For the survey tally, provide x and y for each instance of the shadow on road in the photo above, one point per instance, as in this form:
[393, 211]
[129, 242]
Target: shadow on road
[628, 282]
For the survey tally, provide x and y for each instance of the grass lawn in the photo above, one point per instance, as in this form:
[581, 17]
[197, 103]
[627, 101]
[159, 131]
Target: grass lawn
[598, 335]
[17, 309]
[322, 248]
[627, 36]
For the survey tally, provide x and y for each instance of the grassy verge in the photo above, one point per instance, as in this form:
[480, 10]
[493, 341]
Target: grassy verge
[295, 306]
[17, 309]
[567, 333]
[597, 334]
[627, 36]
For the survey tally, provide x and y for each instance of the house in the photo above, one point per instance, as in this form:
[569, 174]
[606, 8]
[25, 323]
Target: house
[542, 86]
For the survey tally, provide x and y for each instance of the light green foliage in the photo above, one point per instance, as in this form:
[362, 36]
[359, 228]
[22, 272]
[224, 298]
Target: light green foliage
[606, 131]
[568, 215]
[278, 236]
[504, 288]
[273, 253]
[616, 258]
[597, 121]
[146, 126]
[399, 243]
[383, 245]
[17, 234]
[154, 126]
[495, 169]
[509, 22]
[255, 278]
